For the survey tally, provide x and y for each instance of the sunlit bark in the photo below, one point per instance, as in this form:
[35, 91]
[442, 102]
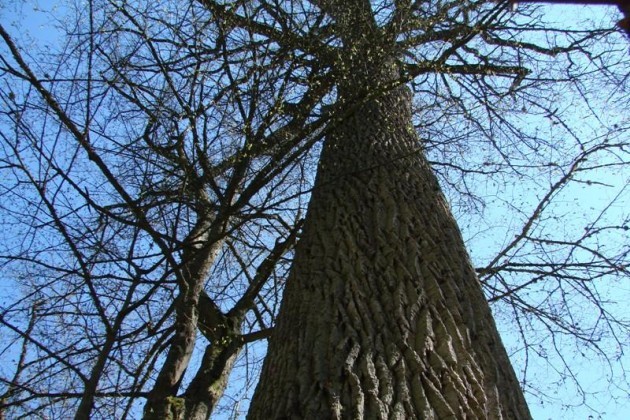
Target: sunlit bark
[383, 315]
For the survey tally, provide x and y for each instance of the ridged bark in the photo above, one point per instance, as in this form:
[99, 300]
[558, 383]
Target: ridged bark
[383, 315]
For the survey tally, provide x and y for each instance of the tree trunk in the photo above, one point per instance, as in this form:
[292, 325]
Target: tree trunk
[207, 388]
[383, 315]
[162, 402]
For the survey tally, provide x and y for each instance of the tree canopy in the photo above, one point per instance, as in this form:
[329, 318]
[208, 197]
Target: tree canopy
[158, 157]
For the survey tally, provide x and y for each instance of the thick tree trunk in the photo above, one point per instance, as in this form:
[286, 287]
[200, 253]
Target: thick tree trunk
[383, 315]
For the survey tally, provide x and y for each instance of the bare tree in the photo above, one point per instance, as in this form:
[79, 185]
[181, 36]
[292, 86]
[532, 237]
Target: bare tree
[159, 166]
[151, 215]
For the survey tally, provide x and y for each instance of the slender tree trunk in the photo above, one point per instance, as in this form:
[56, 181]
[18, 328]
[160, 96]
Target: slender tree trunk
[162, 402]
[209, 383]
[91, 386]
[383, 315]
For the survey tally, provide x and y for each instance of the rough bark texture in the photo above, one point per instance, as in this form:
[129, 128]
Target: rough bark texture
[383, 315]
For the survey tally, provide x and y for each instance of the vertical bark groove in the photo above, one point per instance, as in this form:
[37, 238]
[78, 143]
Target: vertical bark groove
[383, 315]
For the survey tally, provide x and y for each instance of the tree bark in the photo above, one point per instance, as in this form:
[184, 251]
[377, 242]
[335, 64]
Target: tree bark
[383, 315]
[209, 383]
[162, 401]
